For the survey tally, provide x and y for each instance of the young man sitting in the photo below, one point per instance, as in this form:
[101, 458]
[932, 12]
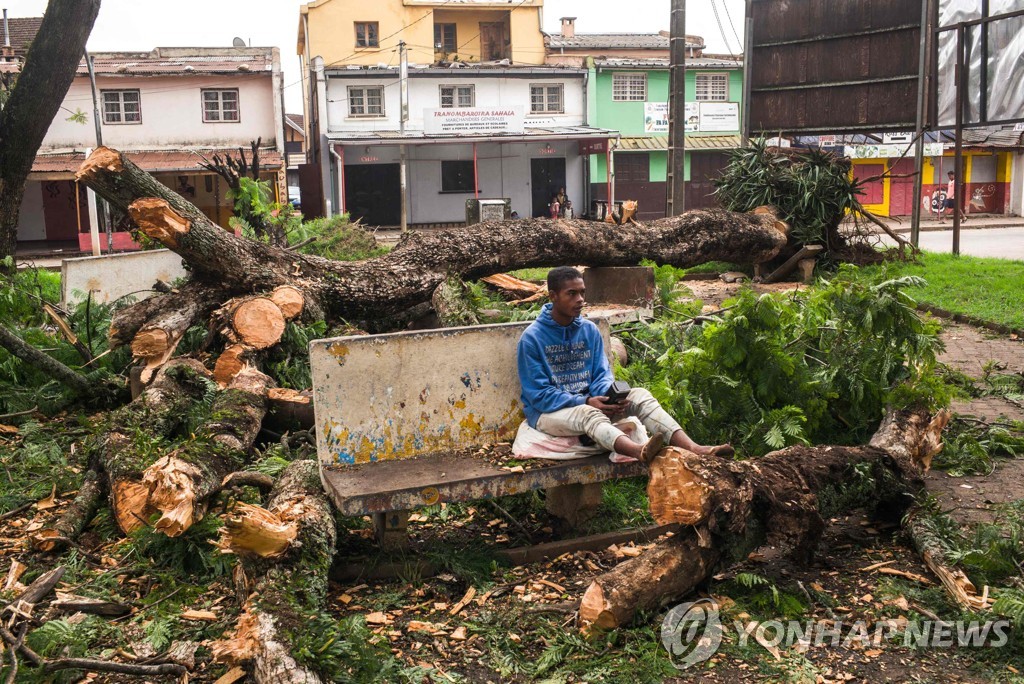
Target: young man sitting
[565, 377]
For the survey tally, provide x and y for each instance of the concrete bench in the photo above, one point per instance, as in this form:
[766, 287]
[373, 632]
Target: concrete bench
[401, 418]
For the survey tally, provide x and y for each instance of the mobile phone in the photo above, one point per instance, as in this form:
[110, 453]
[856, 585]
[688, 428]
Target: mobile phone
[618, 392]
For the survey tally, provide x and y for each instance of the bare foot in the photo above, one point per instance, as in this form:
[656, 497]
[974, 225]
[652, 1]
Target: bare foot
[653, 447]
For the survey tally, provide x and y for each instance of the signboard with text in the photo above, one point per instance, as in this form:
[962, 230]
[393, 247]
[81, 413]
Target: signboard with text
[655, 117]
[473, 120]
[719, 117]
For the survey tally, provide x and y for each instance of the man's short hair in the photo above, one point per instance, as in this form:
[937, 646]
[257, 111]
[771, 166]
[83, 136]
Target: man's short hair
[558, 277]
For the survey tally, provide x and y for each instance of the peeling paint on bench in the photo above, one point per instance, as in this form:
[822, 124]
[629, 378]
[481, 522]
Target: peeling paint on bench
[403, 395]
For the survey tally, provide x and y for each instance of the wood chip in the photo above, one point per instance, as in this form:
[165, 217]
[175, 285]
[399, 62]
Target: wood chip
[377, 618]
[200, 615]
[345, 598]
[8, 429]
[557, 587]
[877, 565]
[13, 575]
[48, 502]
[457, 608]
[459, 634]
[231, 676]
[631, 551]
[907, 575]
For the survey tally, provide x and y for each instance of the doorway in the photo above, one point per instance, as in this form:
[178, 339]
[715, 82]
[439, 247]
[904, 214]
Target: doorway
[495, 40]
[705, 167]
[547, 176]
[373, 194]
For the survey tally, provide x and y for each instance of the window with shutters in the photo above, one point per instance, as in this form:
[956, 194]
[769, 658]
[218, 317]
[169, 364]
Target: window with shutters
[629, 87]
[220, 105]
[445, 38]
[712, 87]
[458, 96]
[632, 167]
[122, 107]
[366, 101]
[546, 99]
[367, 34]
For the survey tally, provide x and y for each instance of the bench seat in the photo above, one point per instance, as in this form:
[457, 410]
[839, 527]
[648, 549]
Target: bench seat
[429, 479]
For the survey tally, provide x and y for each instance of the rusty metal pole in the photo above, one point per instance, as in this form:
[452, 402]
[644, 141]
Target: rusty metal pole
[915, 220]
[958, 158]
[677, 111]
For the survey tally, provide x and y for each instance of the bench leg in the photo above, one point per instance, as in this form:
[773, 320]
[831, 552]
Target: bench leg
[574, 503]
[391, 530]
[806, 267]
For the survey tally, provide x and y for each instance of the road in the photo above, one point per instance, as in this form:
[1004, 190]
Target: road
[1003, 243]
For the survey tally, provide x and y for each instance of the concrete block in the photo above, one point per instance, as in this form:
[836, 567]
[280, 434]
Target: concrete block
[806, 267]
[401, 395]
[630, 285]
[113, 276]
[391, 530]
[574, 504]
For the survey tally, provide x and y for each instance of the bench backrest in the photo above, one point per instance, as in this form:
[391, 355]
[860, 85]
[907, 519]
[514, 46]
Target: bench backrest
[400, 395]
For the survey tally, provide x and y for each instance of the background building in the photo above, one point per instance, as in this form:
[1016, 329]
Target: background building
[166, 109]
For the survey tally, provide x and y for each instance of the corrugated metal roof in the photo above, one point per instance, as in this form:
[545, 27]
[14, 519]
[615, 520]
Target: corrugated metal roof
[663, 63]
[628, 41]
[693, 142]
[182, 61]
[154, 161]
[459, 69]
[1003, 137]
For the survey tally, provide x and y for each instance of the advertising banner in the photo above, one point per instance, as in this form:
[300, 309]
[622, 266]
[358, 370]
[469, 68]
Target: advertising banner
[719, 117]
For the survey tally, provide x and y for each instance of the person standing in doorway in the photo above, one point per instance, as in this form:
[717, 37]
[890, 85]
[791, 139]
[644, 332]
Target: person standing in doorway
[952, 199]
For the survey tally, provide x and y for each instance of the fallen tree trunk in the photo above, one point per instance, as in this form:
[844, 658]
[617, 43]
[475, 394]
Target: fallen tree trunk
[410, 273]
[289, 547]
[73, 520]
[178, 484]
[735, 507]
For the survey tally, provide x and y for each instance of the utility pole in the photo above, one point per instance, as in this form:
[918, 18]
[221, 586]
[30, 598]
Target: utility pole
[677, 111]
[403, 115]
[101, 214]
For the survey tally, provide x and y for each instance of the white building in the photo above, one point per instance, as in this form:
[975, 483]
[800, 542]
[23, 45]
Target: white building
[166, 109]
[483, 131]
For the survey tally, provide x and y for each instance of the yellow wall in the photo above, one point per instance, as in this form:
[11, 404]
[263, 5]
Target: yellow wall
[332, 30]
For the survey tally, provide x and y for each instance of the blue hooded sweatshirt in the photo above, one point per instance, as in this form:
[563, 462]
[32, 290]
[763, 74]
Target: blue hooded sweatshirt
[561, 365]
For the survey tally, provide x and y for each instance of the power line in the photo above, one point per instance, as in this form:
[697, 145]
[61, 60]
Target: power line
[732, 24]
[721, 28]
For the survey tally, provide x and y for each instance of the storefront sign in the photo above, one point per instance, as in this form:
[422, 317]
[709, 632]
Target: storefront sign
[828, 140]
[719, 117]
[889, 151]
[897, 138]
[593, 146]
[692, 117]
[473, 120]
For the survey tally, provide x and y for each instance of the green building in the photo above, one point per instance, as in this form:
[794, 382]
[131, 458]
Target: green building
[631, 96]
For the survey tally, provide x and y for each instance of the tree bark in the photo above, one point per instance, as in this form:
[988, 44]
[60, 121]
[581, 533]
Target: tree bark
[21, 349]
[733, 507]
[292, 584]
[37, 96]
[410, 273]
[160, 410]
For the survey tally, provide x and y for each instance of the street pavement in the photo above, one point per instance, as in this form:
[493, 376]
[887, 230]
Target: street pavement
[1002, 243]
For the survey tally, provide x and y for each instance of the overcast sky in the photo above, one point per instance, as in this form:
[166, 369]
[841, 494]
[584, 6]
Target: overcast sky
[145, 24]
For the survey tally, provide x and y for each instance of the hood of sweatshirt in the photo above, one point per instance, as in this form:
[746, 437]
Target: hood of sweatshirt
[567, 332]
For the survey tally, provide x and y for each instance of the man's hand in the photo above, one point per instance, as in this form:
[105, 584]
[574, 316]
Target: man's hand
[602, 405]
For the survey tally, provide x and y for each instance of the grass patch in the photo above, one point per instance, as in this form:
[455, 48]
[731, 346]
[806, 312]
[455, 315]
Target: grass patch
[989, 289]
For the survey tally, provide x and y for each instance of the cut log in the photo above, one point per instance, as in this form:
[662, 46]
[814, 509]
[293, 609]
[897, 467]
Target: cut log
[410, 273]
[156, 341]
[291, 587]
[734, 507]
[128, 321]
[955, 581]
[257, 322]
[230, 363]
[178, 485]
[289, 300]
[74, 518]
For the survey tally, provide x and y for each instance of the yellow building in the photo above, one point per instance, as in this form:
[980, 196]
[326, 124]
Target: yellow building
[345, 32]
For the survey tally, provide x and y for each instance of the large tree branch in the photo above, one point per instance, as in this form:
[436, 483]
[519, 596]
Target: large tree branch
[411, 272]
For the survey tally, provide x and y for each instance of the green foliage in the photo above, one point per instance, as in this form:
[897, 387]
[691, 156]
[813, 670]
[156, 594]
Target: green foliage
[336, 238]
[763, 596]
[818, 366]
[288, 361]
[347, 652]
[969, 446]
[62, 638]
[190, 555]
[41, 461]
[813, 190]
